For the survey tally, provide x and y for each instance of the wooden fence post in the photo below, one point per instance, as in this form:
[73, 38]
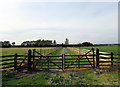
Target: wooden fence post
[33, 59]
[78, 61]
[97, 58]
[48, 63]
[63, 61]
[15, 62]
[40, 51]
[111, 58]
[29, 60]
[93, 58]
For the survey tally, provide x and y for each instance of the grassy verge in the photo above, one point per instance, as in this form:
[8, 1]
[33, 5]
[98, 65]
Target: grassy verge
[84, 77]
[34, 79]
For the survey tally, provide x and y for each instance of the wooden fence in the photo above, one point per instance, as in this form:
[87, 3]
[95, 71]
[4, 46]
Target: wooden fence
[16, 61]
[35, 60]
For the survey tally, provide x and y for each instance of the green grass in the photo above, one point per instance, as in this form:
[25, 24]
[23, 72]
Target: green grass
[113, 48]
[84, 77]
[96, 77]
[12, 51]
[34, 79]
[58, 52]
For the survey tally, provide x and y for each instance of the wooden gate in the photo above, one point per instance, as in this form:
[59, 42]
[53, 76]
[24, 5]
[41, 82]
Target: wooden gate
[46, 62]
[80, 61]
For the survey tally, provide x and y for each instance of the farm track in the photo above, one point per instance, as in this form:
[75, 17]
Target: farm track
[64, 51]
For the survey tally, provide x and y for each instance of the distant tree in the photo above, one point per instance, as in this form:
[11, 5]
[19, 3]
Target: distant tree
[79, 44]
[87, 44]
[13, 43]
[54, 42]
[37, 43]
[6, 43]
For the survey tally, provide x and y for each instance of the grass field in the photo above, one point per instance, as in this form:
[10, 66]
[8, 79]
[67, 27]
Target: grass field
[113, 48]
[12, 51]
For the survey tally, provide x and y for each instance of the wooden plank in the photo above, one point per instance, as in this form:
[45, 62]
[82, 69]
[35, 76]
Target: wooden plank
[12, 56]
[56, 59]
[50, 68]
[104, 65]
[71, 59]
[77, 67]
[7, 59]
[47, 56]
[116, 58]
[105, 58]
[78, 55]
[7, 56]
[21, 59]
[76, 58]
[104, 61]
[80, 61]
[49, 65]
[116, 62]
[7, 67]
[116, 54]
[77, 64]
[104, 54]
[7, 63]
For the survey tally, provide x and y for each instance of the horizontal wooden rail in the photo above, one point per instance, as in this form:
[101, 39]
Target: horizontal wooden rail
[50, 68]
[7, 56]
[78, 55]
[104, 65]
[79, 61]
[46, 56]
[78, 67]
[105, 58]
[104, 54]
[116, 54]
[116, 62]
[116, 58]
[77, 64]
[7, 63]
[104, 61]
[7, 67]
[50, 65]
[7, 59]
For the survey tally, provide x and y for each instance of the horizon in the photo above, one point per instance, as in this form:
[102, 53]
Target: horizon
[94, 22]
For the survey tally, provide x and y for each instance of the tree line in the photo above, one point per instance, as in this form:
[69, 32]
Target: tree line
[41, 43]
[29, 43]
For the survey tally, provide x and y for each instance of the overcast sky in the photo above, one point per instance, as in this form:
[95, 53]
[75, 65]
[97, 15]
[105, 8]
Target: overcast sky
[96, 22]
